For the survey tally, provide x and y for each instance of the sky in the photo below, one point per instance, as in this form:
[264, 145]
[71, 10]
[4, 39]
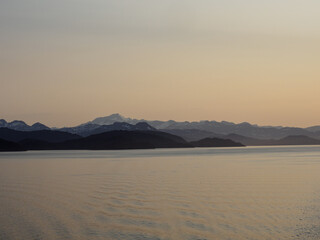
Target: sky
[66, 62]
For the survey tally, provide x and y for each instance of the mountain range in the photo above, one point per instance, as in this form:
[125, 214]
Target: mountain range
[197, 128]
[201, 133]
[93, 128]
[214, 128]
[22, 126]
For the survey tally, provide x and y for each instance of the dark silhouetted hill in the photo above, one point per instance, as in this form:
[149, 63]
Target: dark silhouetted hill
[126, 140]
[7, 146]
[216, 142]
[192, 134]
[290, 140]
[295, 140]
[34, 144]
[113, 140]
[42, 135]
[248, 141]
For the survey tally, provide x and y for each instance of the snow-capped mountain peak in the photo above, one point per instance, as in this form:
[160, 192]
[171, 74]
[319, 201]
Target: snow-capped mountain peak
[112, 119]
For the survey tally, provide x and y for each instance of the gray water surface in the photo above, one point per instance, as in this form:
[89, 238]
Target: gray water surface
[189, 194]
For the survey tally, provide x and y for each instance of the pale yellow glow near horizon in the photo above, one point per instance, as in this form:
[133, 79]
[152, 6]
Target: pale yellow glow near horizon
[66, 62]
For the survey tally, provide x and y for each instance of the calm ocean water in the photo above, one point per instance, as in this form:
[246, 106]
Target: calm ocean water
[187, 194]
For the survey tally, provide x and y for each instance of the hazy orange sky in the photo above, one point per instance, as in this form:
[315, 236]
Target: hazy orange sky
[65, 62]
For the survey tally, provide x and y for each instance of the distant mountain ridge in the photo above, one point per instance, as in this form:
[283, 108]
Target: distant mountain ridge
[22, 126]
[288, 140]
[313, 129]
[224, 127]
[197, 135]
[92, 128]
[191, 131]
